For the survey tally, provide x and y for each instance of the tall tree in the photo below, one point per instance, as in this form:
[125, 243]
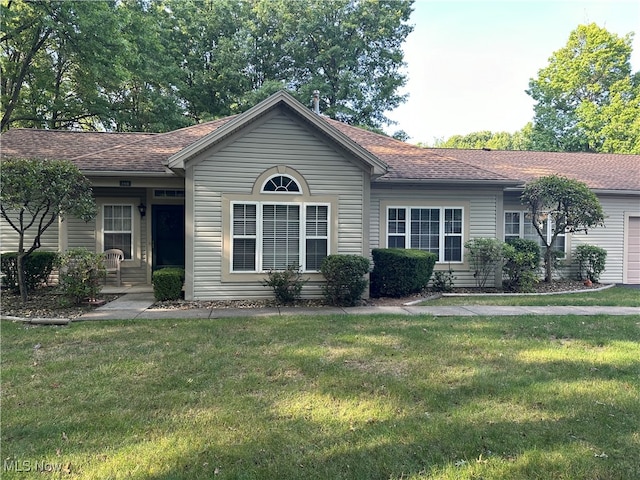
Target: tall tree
[144, 94]
[615, 125]
[53, 56]
[211, 41]
[34, 194]
[575, 91]
[351, 51]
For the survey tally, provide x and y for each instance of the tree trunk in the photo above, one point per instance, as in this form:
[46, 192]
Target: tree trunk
[22, 278]
[548, 264]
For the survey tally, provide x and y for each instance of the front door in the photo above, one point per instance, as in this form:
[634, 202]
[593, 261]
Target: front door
[167, 223]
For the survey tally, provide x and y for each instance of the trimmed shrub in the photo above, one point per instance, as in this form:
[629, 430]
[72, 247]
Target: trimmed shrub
[345, 283]
[521, 262]
[37, 268]
[286, 284]
[484, 256]
[442, 281]
[167, 283]
[81, 274]
[591, 261]
[398, 272]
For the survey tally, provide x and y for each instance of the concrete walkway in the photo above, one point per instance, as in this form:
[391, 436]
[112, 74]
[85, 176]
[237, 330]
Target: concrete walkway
[136, 304]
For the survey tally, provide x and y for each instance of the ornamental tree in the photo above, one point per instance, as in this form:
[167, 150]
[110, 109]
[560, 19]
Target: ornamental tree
[566, 205]
[34, 194]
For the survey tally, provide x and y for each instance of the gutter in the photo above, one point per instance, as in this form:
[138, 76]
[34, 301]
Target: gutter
[446, 181]
[127, 173]
[600, 191]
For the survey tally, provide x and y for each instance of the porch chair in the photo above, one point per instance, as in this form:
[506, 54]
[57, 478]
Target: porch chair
[112, 260]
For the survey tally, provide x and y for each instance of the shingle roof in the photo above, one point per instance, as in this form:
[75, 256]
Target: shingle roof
[148, 153]
[100, 152]
[410, 162]
[598, 170]
[60, 144]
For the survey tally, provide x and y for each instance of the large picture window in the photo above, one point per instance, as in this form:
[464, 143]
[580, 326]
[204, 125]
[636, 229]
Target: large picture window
[273, 236]
[517, 224]
[437, 230]
[117, 228]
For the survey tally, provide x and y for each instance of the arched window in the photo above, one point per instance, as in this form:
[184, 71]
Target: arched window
[281, 183]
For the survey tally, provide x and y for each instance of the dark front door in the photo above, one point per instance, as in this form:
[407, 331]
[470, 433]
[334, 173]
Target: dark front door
[167, 223]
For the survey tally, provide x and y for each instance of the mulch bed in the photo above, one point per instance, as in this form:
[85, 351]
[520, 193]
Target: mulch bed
[46, 301]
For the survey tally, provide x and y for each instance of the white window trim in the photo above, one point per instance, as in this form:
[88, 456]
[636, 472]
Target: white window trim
[281, 192]
[259, 232]
[303, 233]
[442, 234]
[134, 261]
[522, 214]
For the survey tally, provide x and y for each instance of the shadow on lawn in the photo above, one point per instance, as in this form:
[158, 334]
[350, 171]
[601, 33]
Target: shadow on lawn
[344, 398]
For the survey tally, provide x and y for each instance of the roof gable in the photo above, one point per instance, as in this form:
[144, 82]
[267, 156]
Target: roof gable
[279, 100]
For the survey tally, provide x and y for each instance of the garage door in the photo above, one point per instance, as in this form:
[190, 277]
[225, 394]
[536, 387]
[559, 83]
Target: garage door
[633, 251]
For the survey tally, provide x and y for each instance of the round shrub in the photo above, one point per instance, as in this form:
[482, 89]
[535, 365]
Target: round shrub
[591, 261]
[345, 283]
[167, 283]
[521, 263]
[81, 274]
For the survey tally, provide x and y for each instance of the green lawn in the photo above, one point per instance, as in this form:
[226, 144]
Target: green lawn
[380, 397]
[615, 296]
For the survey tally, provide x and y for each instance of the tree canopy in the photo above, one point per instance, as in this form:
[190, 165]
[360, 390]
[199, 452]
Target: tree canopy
[570, 204]
[520, 140]
[157, 65]
[587, 98]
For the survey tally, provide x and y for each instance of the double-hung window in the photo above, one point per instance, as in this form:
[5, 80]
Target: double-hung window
[117, 228]
[435, 229]
[316, 235]
[517, 224]
[245, 235]
[274, 236]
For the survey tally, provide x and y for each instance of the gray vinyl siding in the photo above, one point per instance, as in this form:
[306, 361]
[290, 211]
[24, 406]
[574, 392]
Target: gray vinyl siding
[481, 220]
[611, 236]
[9, 238]
[81, 234]
[234, 168]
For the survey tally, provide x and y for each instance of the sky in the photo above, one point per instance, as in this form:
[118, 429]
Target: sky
[469, 62]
